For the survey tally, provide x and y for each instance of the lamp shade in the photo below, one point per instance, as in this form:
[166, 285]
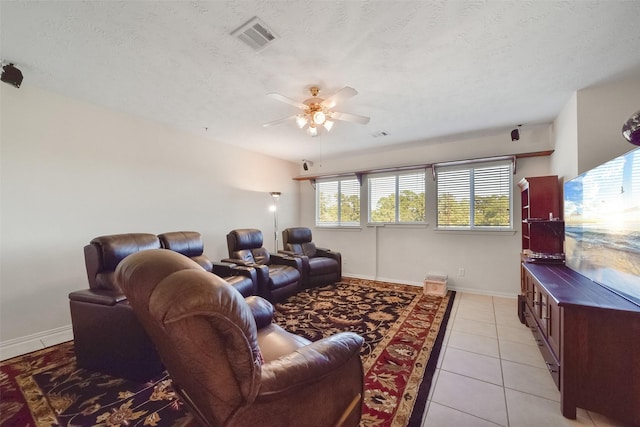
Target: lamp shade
[328, 124]
[319, 117]
[631, 129]
[301, 120]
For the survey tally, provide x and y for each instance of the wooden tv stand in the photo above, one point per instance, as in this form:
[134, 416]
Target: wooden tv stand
[589, 338]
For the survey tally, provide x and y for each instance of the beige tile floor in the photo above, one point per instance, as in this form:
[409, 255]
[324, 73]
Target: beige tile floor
[490, 372]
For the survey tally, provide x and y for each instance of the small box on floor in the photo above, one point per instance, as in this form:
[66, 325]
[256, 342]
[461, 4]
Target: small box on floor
[435, 284]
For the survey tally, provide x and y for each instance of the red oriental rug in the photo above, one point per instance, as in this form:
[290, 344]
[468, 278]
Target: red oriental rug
[403, 330]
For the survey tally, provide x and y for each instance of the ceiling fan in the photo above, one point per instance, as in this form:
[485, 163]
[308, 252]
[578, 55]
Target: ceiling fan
[317, 112]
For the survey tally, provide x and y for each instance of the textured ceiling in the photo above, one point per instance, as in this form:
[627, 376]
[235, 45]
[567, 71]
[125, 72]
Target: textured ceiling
[423, 69]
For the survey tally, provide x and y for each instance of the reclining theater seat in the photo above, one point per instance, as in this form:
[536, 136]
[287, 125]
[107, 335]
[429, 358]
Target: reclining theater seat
[320, 266]
[108, 337]
[189, 243]
[229, 364]
[279, 275]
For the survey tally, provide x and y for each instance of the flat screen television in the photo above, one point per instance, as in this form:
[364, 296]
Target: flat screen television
[602, 225]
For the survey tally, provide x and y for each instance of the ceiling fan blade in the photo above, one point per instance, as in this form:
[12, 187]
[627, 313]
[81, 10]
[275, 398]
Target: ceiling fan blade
[287, 100]
[277, 122]
[344, 93]
[350, 117]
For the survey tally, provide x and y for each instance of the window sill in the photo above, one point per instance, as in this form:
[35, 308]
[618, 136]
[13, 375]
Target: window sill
[393, 225]
[339, 227]
[507, 231]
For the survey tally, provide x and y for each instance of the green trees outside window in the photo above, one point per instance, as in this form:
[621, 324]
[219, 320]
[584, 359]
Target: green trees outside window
[397, 198]
[477, 197]
[338, 203]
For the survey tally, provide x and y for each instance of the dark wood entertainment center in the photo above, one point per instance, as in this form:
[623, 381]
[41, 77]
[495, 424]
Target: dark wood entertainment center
[588, 335]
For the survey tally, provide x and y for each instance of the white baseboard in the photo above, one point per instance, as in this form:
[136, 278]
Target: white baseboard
[24, 345]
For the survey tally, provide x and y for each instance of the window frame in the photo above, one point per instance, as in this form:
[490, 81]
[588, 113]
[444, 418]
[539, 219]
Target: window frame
[339, 223]
[471, 168]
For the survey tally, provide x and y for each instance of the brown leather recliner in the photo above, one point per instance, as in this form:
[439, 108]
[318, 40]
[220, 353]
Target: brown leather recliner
[320, 266]
[189, 243]
[107, 335]
[279, 275]
[231, 365]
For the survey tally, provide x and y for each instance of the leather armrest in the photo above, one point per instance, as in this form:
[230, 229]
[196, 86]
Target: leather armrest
[101, 297]
[226, 269]
[223, 269]
[238, 261]
[327, 252]
[261, 271]
[295, 262]
[222, 264]
[261, 309]
[310, 363]
[289, 253]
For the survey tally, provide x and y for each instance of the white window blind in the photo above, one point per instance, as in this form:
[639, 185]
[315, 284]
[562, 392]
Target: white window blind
[454, 190]
[477, 196]
[397, 198]
[338, 203]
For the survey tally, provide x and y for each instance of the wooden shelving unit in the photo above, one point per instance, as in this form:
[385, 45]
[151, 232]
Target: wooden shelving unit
[542, 225]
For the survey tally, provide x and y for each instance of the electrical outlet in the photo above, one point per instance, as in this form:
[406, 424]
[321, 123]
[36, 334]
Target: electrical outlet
[461, 272]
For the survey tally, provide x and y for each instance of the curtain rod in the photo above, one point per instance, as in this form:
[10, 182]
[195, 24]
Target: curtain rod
[423, 166]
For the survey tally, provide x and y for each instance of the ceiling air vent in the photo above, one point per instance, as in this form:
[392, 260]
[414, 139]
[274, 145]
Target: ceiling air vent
[255, 33]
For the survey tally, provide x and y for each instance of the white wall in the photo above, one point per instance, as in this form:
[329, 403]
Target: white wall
[602, 110]
[532, 139]
[72, 171]
[406, 254]
[564, 161]
[589, 127]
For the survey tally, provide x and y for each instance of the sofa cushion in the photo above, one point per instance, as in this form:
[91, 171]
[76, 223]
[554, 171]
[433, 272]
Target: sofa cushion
[322, 265]
[282, 275]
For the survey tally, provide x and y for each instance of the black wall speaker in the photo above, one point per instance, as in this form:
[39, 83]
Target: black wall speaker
[515, 135]
[11, 75]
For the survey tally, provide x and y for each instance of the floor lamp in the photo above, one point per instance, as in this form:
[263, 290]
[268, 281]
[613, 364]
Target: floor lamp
[274, 208]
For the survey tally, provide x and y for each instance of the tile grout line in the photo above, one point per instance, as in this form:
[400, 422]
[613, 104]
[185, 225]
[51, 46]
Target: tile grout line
[504, 388]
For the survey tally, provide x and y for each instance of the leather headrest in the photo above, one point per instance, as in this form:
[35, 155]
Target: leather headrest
[116, 247]
[246, 238]
[297, 235]
[188, 243]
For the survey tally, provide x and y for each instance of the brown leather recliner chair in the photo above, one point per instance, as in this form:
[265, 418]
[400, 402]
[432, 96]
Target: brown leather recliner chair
[279, 275]
[108, 337]
[189, 243]
[230, 365]
[320, 266]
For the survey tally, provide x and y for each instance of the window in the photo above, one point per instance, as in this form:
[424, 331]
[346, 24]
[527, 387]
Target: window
[397, 198]
[475, 197]
[338, 203]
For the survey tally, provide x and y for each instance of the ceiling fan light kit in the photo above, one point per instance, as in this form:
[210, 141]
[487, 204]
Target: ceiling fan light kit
[317, 112]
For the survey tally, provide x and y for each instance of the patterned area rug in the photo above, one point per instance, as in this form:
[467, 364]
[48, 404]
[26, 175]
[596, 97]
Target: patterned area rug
[402, 329]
